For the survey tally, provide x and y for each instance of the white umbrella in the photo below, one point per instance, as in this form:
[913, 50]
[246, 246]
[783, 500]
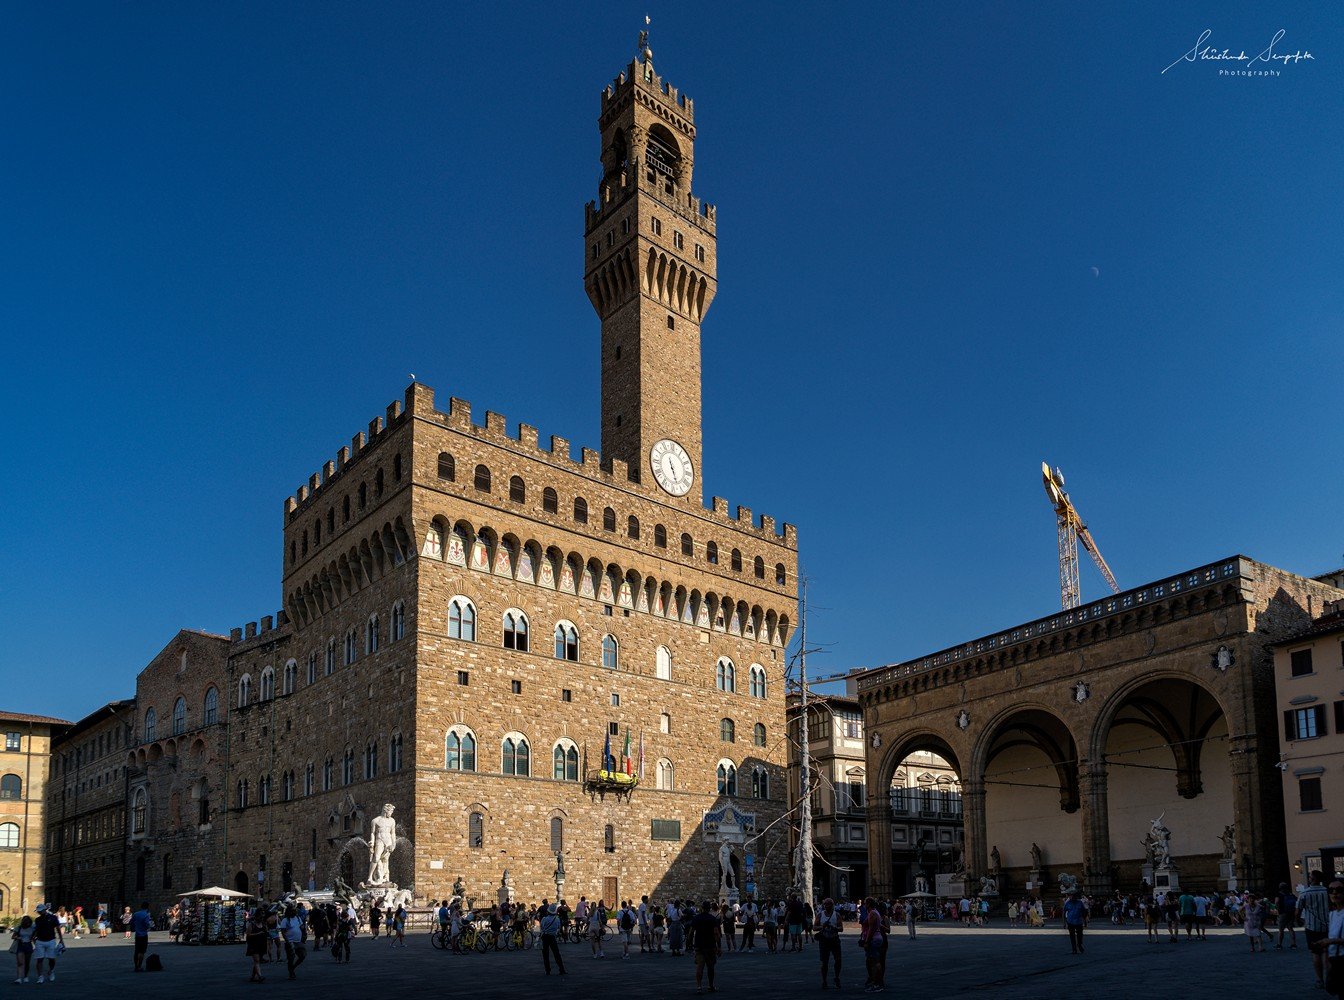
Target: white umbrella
[217, 892]
[919, 895]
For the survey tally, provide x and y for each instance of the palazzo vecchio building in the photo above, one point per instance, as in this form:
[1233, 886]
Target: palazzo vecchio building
[471, 617]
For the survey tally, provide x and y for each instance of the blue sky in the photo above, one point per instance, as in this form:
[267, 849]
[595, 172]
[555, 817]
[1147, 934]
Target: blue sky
[230, 231]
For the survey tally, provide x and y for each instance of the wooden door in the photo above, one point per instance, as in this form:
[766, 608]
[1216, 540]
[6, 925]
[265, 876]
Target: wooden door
[609, 893]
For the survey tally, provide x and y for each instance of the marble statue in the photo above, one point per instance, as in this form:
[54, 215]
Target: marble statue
[382, 842]
[459, 887]
[1229, 839]
[1160, 840]
[995, 861]
[726, 883]
[988, 886]
[1035, 857]
[920, 845]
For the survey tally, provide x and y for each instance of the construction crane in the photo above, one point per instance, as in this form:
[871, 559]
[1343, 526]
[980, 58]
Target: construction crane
[1072, 530]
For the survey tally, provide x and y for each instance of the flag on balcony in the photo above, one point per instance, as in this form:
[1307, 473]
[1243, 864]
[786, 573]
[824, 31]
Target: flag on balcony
[641, 755]
[628, 765]
[608, 762]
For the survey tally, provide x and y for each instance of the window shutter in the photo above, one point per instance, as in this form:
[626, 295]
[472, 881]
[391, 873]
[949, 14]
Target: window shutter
[1339, 717]
[1319, 711]
[1289, 728]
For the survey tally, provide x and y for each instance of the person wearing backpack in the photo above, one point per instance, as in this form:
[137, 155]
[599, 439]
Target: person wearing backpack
[827, 932]
[626, 921]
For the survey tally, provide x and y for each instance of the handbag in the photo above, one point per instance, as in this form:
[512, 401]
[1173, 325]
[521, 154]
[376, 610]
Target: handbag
[14, 944]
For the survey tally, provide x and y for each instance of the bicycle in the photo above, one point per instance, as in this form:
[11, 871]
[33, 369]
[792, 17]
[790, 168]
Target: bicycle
[440, 938]
[519, 940]
[466, 940]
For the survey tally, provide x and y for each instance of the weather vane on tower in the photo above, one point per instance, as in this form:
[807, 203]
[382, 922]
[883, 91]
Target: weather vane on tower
[644, 36]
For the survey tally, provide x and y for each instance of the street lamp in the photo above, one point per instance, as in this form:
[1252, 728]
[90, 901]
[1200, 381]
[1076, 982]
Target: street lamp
[559, 876]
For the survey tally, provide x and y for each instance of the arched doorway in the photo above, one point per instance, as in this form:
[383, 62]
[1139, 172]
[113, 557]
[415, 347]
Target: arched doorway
[1030, 767]
[240, 881]
[927, 832]
[1166, 757]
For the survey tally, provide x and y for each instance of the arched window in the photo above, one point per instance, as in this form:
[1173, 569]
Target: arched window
[211, 707]
[660, 536]
[461, 619]
[11, 787]
[781, 577]
[398, 621]
[758, 567]
[351, 647]
[267, 691]
[737, 561]
[611, 652]
[758, 734]
[378, 484]
[370, 759]
[345, 509]
[290, 678]
[460, 750]
[308, 773]
[139, 810]
[757, 681]
[608, 519]
[179, 716]
[727, 731]
[348, 766]
[476, 830]
[287, 786]
[330, 665]
[566, 761]
[687, 545]
[447, 467]
[242, 793]
[580, 510]
[517, 756]
[264, 790]
[557, 834]
[550, 503]
[566, 641]
[663, 664]
[727, 775]
[9, 834]
[317, 532]
[151, 725]
[371, 634]
[515, 630]
[712, 553]
[517, 491]
[363, 495]
[666, 776]
[394, 746]
[725, 675]
[396, 467]
[482, 479]
[632, 526]
[329, 774]
[312, 668]
[760, 783]
[609, 839]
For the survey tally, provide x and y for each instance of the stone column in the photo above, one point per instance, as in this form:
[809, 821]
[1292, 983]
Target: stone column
[973, 822]
[1096, 827]
[1249, 812]
[879, 848]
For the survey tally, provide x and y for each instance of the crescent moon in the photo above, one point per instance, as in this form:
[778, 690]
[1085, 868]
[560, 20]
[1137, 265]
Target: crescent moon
[1096, 272]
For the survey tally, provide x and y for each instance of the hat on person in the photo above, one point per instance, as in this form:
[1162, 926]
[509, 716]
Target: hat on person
[41, 907]
[551, 908]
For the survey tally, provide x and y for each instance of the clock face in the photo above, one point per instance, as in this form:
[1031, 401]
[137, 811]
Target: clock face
[672, 467]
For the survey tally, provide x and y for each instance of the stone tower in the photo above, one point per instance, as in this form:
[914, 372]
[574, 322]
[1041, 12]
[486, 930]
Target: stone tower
[650, 274]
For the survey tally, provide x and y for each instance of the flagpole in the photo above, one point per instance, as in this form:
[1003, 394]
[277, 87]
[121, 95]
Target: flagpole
[803, 862]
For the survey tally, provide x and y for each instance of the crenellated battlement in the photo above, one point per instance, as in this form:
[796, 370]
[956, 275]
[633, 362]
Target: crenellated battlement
[331, 470]
[260, 629]
[701, 214]
[420, 405]
[641, 72]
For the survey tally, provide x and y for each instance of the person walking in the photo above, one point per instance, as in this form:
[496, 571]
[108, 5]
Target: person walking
[257, 940]
[827, 931]
[707, 943]
[1253, 920]
[22, 942]
[873, 941]
[47, 941]
[909, 917]
[345, 930]
[597, 926]
[291, 929]
[626, 921]
[1075, 919]
[729, 920]
[794, 923]
[1313, 906]
[675, 937]
[1331, 947]
[399, 926]
[139, 924]
[550, 939]
[1286, 904]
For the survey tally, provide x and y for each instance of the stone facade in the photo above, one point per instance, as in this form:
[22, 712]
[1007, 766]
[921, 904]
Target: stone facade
[469, 616]
[1308, 668]
[25, 762]
[86, 810]
[1077, 730]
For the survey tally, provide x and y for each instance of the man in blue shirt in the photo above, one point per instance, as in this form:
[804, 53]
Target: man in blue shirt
[141, 922]
[1075, 919]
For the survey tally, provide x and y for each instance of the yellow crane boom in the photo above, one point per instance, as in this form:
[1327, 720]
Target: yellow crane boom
[1072, 530]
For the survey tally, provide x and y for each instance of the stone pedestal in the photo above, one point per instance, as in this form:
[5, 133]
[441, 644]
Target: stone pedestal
[1166, 878]
[1227, 874]
[1034, 883]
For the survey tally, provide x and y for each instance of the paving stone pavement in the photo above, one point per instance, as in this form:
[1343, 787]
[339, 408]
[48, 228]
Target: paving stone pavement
[1008, 964]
